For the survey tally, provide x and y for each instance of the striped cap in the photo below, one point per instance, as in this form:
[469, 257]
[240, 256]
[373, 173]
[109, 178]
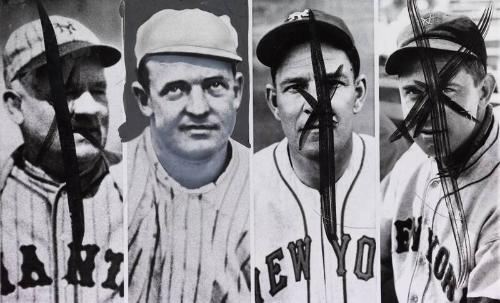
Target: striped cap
[25, 49]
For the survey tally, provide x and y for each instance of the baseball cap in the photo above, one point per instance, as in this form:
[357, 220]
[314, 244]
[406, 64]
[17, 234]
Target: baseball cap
[277, 42]
[188, 31]
[444, 32]
[25, 48]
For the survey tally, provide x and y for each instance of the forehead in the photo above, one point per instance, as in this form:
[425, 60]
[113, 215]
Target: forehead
[298, 61]
[413, 65]
[184, 67]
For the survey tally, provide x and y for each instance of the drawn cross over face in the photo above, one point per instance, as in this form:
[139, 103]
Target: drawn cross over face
[192, 104]
[85, 87]
[462, 89]
[292, 110]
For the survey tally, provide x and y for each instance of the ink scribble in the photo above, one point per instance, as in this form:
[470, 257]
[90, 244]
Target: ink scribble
[433, 102]
[63, 118]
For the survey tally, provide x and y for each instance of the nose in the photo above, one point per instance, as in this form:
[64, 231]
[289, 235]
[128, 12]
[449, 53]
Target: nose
[86, 104]
[197, 103]
[307, 108]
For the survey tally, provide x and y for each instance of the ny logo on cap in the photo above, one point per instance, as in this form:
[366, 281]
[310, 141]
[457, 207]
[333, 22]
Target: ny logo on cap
[298, 15]
[69, 27]
[429, 19]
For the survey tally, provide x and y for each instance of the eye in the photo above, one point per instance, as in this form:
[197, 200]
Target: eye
[175, 90]
[412, 92]
[98, 91]
[333, 82]
[294, 88]
[215, 87]
[448, 90]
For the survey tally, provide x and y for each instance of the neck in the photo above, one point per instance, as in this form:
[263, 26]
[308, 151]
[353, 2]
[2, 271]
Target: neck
[192, 173]
[308, 169]
[53, 165]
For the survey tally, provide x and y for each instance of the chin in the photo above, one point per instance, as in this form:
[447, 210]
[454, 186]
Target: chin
[426, 147]
[200, 150]
[310, 151]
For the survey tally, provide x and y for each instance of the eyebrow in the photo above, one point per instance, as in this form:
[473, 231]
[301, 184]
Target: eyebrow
[302, 80]
[167, 85]
[215, 78]
[329, 77]
[412, 86]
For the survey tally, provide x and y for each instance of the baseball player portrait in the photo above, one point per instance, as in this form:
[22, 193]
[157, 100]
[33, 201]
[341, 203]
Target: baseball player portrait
[47, 255]
[188, 180]
[306, 250]
[440, 226]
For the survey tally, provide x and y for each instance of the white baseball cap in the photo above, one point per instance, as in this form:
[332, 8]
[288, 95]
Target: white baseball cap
[188, 31]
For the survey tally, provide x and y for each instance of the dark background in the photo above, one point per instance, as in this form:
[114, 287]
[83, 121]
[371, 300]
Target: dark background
[138, 11]
[358, 15]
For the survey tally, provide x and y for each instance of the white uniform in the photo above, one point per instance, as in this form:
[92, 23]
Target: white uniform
[294, 260]
[36, 236]
[187, 245]
[416, 232]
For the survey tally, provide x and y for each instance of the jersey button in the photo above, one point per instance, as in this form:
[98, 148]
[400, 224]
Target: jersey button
[414, 299]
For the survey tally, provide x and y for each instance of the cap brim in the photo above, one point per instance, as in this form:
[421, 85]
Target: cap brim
[193, 50]
[107, 55]
[402, 56]
[274, 45]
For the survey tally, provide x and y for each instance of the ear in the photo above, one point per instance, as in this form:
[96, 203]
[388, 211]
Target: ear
[142, 98]
[360, 93]
[272, 102]
[488, 85]
[238, 89]
[12, 102]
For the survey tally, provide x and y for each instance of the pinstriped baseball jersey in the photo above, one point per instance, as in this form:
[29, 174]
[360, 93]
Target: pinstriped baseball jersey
[294, 260]
[187, 245]
[416, 232]
[37, 264]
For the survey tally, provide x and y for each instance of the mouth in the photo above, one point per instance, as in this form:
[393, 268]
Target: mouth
[199, 127]
[315, 126]
[430, 132]
[92, 134]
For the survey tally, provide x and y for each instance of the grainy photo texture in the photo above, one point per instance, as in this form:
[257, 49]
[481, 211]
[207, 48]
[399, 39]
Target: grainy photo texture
[60, 189]
[188, 190]
[315, 193]
[440, 227]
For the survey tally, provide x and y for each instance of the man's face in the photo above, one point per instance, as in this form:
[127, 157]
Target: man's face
[193, 102]
[85, 87]
[292, 109]
[460, 89]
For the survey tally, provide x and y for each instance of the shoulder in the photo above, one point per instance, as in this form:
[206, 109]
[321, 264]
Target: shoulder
[367, 142]
[242, 152]
[411, 160]
[265, 172]
[265, 155]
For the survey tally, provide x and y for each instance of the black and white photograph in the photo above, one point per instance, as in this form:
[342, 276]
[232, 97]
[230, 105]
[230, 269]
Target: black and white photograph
[61, 198]
[186, 105]
[315, 171]
[440, 222]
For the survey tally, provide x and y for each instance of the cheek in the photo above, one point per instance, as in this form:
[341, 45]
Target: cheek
[40, 113]
[290, 106]
[166, 113]
[343, 103]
